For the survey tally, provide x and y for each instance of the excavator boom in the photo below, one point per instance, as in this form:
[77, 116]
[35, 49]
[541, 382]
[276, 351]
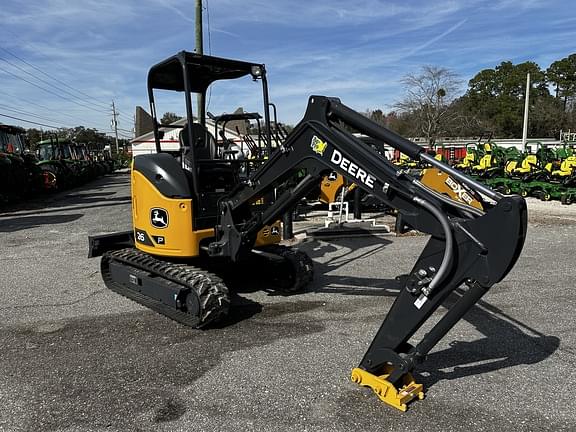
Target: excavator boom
[468, 247]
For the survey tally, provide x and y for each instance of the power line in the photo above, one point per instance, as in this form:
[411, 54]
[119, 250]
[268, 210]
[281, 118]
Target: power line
[38, 86]
[17, 111]
[49, 76]
[37, 105]
[28, 113]
[93, 103]
[126, 117]
[51, 85]
[119, 114]
[38, 52]
[50, 126]
[28, 121]
[90, 98]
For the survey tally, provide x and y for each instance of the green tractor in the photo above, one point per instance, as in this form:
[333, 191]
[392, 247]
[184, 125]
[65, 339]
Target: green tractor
[57, 161]
[19, 176]
[568, 196]
[100, 166]
[89, 168]
[566, 176]
[473, 155]
[106, 165]
[475, 152]
[492, 164]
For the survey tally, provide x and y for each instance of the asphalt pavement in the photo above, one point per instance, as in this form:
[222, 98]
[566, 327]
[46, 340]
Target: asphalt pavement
[75, 356]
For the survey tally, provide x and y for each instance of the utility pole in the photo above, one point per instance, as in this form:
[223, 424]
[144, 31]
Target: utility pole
[115, 124]
[526, 105]
[200, 50]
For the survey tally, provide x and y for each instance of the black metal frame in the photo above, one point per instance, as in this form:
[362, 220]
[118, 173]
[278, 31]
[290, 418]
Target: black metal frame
[192, 73]
[225, 118]
[466, 245]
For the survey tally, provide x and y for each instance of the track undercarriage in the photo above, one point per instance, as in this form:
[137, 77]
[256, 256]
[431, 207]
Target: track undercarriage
[194, 293]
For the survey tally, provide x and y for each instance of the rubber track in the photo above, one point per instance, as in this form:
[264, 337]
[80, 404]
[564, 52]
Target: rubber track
[211, 292]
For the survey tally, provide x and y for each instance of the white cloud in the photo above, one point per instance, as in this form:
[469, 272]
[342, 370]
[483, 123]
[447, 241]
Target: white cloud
[316, 14]
[356, 50]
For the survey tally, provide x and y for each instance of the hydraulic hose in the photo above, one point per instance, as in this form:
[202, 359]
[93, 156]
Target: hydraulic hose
[449, 239]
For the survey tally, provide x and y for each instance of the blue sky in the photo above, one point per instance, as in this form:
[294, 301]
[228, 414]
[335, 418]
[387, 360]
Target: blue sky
[356, 50]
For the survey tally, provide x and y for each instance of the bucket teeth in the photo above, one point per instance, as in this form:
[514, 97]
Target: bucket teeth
[388, 392]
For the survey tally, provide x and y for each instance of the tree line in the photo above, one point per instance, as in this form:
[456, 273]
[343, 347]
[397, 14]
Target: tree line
[434, 104]
[80, 134]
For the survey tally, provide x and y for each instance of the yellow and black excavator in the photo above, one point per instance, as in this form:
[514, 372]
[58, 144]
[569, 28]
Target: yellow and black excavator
[198, 207]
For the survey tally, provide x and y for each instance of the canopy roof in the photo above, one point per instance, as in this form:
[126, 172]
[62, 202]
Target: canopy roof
[201, 71]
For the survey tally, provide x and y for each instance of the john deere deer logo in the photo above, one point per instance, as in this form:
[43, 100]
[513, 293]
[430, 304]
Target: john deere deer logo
[318, 146]
[158, 217]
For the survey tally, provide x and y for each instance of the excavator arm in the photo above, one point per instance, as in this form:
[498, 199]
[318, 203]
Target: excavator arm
[468, 247]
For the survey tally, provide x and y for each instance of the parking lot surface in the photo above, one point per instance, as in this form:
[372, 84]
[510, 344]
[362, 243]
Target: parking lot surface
[77, 357]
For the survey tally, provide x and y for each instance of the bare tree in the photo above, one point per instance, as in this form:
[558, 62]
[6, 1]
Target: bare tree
[428, 98]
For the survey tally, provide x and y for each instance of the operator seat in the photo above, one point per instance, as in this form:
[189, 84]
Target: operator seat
[213, 174]
[567, 167]
[204, 146]
[486, 162]
[528, 164]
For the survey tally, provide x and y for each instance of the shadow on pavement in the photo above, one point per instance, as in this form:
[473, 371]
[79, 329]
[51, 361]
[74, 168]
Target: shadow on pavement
[241, 309]
[507, 342]
[71, 197]
[21, 223]
[102, 203]
[353, 285]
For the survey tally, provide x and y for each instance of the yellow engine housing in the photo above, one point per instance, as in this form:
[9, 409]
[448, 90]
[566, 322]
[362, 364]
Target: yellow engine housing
[178, 238]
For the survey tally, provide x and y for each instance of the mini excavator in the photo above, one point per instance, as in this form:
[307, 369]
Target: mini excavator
[199, 207]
